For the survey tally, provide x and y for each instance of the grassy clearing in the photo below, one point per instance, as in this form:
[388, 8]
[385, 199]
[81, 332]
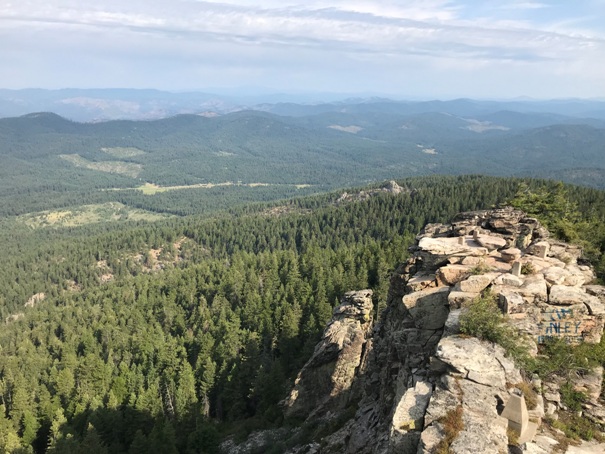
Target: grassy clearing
[123, 152]
[87, 214]
[151, 188]
[129, 169]
[353, 129]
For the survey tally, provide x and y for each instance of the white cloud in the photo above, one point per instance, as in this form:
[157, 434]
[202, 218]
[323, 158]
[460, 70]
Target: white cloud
[330, 35]
[365, 26]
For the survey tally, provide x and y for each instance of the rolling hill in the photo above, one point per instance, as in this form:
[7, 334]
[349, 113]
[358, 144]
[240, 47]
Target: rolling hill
[47, 161]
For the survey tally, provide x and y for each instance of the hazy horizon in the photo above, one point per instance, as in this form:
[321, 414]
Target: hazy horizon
[305, 96]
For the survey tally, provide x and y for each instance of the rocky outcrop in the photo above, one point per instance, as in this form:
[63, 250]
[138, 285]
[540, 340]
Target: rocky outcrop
[390, 188]
[417, 383]
[325, 382]
[538, 281]
[258, 441]
[35, 299]
[419, 369]
[393, 188]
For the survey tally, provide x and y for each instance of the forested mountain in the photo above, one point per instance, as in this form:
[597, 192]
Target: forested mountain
[167, 336]
[191, 164]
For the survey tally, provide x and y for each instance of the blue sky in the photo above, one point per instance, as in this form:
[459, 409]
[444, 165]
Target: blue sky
[417, 48]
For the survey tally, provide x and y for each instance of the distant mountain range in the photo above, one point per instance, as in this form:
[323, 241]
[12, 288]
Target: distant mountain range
[134, 104]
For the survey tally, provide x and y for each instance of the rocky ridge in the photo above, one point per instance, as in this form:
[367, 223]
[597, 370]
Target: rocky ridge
[390, 187]
[413, 375]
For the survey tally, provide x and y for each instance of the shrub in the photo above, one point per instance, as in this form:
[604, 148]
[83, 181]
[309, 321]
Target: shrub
[571, 398]
[528, 268]
[557, 357]
[480, 268]
[483, 319]
[574, 426]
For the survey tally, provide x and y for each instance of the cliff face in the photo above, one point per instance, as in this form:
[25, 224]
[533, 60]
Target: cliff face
[418, 369]
[416, 383]
[325, 384]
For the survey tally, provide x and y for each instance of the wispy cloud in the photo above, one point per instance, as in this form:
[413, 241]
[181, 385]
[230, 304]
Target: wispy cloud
[429, 29]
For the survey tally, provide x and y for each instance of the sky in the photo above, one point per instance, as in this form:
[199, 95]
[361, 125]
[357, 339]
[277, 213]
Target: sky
[415, 49]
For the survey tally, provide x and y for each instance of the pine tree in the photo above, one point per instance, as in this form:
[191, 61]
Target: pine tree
[139, 444]
[92, 443]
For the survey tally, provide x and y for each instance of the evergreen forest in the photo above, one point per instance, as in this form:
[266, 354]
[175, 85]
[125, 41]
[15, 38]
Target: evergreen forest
[168, 336]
